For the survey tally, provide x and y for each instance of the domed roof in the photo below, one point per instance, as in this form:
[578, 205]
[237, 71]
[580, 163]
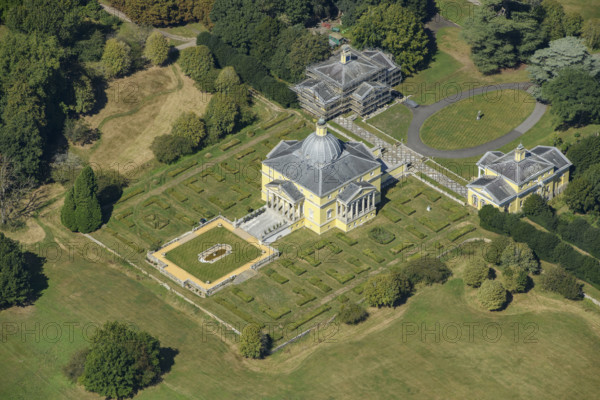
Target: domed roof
[321, 149]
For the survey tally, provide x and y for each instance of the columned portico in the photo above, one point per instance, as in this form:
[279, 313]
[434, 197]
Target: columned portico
[356, 208]
[283, 206]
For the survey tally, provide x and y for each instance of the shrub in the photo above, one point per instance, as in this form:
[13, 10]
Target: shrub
[372, 255]
[494, 250]
[426, 270]
[79, 132]
[515, 279]
[476, 272]
[314, 314]
[381, 235]
[116, 58]
[168, 148]
[319, 283]
[386, 290]
[351, 314]
[339, 277]
[492, 295]
[136, 353]
[306, 296]
[157, 48]
[556, 279]
[74, 368]
[401, 247]
[253, 343]
[521, 256]
[458, 233]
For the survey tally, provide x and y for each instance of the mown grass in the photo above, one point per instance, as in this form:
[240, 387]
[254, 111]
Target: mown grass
[456, 126]
[394, 121]
[186, 255]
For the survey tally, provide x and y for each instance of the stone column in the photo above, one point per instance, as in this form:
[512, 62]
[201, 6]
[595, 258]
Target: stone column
[363, 204]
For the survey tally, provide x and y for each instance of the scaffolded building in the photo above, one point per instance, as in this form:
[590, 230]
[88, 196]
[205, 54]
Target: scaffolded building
[358, 81]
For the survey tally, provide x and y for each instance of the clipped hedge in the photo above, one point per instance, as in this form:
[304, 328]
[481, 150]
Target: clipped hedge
[239, 293]
[373, 256]
[415, 232]
[308, 317]
[339, 277]
[177, 195]
[391, 214]
[401, 247]
[320, 284]
[229, 145]
[435, 226]
[177, 171]
[405, 209]
[275, 314]
[458, 233]
[346, 239]
[306, 296]
[293, 267]
[239, 313]
[271, 273]
[381, 235]
[131, 194]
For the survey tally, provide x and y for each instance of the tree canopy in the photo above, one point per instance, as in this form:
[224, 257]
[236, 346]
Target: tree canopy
[81, 210]
[395, 29]
[15, 278]
[121, 361]
[190, 126]
[501, 35]
[253, 343]
[520, 255]
[475, 273]
[385, 290]
[574, 97]
[116, 58]
[491, 295]
[157, 48]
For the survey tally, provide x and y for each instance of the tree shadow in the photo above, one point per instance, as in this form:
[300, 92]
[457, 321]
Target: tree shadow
[39, 281]
[167, 359]
[509, 299]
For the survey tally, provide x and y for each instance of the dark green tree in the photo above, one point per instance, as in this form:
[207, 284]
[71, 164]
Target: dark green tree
[584, 154]
[67, 212]
[494, 250]
[396, 30]
[515, 279]
[574, 97]
[15, 279]
[221, 116]
[169, 148]
[520, 255]
[121, 361]
[556, 279]
[87, 215]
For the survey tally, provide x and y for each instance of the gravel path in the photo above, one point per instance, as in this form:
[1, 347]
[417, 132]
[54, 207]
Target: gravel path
[421, 114]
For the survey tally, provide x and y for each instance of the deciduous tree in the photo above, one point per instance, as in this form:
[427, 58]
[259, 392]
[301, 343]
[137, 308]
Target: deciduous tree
[475, 273]
[116, 58]
[253, 343]
[491, 295]
[157, 48]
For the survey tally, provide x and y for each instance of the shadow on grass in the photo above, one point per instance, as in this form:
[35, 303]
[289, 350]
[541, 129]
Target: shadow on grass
[39, 281]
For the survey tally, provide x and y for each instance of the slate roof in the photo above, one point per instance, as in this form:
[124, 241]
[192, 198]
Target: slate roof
[495, 187]
[318, 89]
[321, 149]
[288, 188]
[366, 88]
[537, 161]
[354, 161]
[353, 189]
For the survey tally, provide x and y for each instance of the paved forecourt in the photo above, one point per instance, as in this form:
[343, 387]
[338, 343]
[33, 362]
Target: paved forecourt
[183, 275]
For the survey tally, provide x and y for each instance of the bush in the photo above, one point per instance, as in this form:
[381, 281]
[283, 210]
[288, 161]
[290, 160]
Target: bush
[74, 368]
[381, 235]
[386, 290]
[169, 148]
[476, 272]
[520, 255]
[157, 48]
[494, 250]
[515, 279]
[78, 132]
[253, 343]
[137, 355]
[491, 295]
[556, 279]
[116, 58]
[426, 270]
[351, 314]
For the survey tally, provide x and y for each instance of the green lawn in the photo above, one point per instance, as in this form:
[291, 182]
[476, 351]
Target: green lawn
[186, 255]
[394, 121]
[456, 126]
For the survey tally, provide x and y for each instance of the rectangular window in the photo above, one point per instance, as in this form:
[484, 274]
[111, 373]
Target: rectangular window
[311, 214]
[329, 213]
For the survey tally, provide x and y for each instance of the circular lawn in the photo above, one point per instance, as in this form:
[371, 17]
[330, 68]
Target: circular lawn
[456, 126]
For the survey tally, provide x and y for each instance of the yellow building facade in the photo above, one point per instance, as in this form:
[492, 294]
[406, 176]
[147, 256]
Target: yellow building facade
[506, 180]
[321, 182]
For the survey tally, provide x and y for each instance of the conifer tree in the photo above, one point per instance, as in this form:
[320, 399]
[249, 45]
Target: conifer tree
[15, 286]
[88, 215]
[67, 213]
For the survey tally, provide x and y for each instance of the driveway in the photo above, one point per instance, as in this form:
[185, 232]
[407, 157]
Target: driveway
[421, 113]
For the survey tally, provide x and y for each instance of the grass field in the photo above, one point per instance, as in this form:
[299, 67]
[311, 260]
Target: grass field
[452, 71]
[394, 121]
[543, 133]
[367, 361]
[138, 108]
[186, 255]
[456, 126]
[587, 8]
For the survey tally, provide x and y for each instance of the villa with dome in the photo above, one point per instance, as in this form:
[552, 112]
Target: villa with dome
[322, 182]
